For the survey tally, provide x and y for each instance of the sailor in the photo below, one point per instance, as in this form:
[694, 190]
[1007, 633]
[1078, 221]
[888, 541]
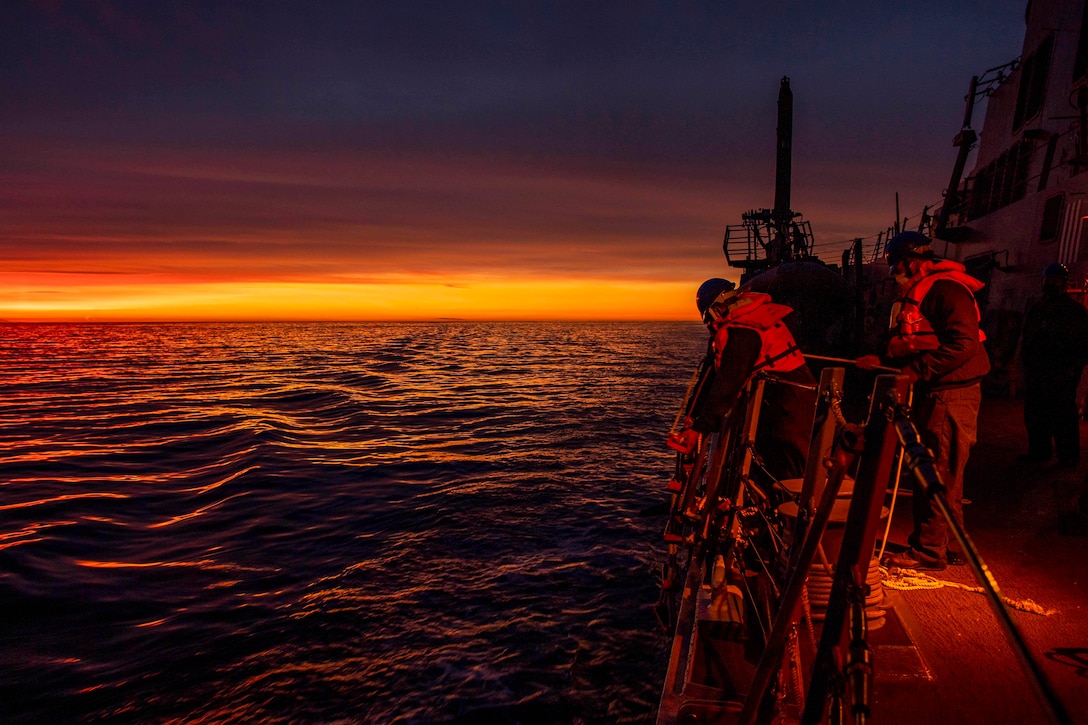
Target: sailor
[936, 340]
[1054, 351]
[749, 335]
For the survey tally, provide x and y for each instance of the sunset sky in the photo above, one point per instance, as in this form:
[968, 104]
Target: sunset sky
[481, 160]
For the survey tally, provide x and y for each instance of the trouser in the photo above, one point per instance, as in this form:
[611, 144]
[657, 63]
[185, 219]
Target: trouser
[1050, 414]
[785, 428]
[1082, 394]
[947, 422]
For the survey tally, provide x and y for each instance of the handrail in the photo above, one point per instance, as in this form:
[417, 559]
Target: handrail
[719, 488]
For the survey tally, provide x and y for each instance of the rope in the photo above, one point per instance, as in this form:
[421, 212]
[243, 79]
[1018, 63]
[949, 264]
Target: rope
[795, 667]
[758, 461]
[895, 489]
[891, 511]
[836, 409]
[683, 405]
[763, 565]
[755, 609]
[810, 623]
[776, 539]
[910, 579]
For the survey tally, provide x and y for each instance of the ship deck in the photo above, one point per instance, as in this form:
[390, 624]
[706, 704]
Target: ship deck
[943, 655]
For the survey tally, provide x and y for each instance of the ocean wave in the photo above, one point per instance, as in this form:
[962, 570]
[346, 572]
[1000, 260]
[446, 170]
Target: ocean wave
[333, 522]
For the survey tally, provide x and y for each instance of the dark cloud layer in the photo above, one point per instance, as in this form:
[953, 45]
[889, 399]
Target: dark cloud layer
[555, 137]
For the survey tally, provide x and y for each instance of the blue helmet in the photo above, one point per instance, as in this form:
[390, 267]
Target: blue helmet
[907, 244]
[710, 291]
[1056, 271]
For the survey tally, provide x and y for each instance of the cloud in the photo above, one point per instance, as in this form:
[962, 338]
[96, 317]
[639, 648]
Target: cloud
[212, 142]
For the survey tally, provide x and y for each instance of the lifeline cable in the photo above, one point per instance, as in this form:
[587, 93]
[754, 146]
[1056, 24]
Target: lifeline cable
[792, 383]
[851, 362]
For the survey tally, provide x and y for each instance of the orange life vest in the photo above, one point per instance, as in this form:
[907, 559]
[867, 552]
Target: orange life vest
[911, 331]
[755, 311]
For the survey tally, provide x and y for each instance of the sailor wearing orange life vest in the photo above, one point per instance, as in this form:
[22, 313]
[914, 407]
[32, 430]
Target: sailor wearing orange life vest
[936, 340]
[752, 311]
[749, 335]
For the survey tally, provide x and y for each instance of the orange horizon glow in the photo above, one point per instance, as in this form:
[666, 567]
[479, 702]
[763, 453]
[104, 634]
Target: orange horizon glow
[234, 237]
[145, 233]
[508, 299]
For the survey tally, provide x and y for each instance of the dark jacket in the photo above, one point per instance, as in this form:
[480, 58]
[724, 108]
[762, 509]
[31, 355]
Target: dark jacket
[785, 420]
[1055, 337]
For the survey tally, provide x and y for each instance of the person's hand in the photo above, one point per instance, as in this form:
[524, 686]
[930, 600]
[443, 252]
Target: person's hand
[910, 375]
[685, 440]
[868, 362]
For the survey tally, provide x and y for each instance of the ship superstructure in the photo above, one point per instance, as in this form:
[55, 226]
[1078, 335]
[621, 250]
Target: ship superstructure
[1023, 205]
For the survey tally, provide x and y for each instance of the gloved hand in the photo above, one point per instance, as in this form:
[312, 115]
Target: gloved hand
[685, 440]
[868, 362]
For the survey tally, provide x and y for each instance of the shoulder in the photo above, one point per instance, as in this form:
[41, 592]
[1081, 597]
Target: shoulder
[949, 290]
[1077, 310]
[1064, 306]
[1072, 303]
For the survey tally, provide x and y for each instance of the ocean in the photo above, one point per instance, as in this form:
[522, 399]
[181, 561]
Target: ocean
[335, 523]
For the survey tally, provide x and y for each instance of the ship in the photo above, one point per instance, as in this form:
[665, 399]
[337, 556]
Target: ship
[772, 594]
[1023, 206]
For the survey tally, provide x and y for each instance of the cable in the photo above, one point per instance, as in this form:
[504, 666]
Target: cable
[895, 488]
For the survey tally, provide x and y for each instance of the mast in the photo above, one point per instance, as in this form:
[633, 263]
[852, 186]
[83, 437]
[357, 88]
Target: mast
[981, 86]
[769, 237]
[783, 170]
